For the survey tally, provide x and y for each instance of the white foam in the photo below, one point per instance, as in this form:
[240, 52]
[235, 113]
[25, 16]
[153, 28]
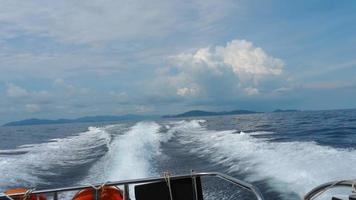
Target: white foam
[131, 154]
[292, 166]
[261, 133]
[41, 159]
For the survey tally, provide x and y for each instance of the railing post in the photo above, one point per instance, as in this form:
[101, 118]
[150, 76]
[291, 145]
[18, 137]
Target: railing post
[195, 189]
[126, 192]
[96, 194]
[55, 196]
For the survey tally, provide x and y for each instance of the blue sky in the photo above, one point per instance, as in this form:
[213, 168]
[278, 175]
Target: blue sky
[74, 58]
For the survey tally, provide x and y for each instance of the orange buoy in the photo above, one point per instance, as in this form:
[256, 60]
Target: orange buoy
[24, 190]
[106, 193]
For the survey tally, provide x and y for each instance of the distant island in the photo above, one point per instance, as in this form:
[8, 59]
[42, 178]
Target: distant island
[103, 118]
[112, 118]
[201, 113]
[288, 110]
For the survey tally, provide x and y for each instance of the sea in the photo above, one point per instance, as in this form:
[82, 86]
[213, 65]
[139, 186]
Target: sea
[284, 154]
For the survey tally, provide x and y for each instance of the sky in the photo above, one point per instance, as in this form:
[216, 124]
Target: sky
[66, 59]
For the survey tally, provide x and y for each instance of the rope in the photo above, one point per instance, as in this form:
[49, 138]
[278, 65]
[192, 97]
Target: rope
[167, 178]
[354, 187]
[102, 186]
[28, 193]
[96, 188]
[99, 187]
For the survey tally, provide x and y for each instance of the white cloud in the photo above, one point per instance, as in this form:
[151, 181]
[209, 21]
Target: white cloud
[18, 92]
[120, 97]
[60, 82]
[72, 37]
[15, 91]
[239, 66]
[143, 109]
[282, 90]
[133, 109]
[90, 21]
[69, 88]
[32, 108]
[251, 91]
[245, 60]
[185, 91]
[51, 65]
[84, 21]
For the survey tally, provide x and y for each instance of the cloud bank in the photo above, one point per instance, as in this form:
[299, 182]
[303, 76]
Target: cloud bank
[93, 22]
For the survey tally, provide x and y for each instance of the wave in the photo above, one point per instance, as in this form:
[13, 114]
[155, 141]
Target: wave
[33, 164]
[286, 166]
[131, 154]
[12, 152]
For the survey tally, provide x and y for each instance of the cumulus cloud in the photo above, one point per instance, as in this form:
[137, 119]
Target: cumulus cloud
[245, 59]
[185, 91]
[15, 91]
[236, 68]
[18, 92]
[18, 99]
[69, 88]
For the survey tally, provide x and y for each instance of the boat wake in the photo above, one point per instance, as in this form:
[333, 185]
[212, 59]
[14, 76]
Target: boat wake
[108, 153]
[41, 164]
[127, 151]
[286, 166]
[131, 154]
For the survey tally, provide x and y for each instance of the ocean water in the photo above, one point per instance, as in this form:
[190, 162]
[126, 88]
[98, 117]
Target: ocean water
[284, 154]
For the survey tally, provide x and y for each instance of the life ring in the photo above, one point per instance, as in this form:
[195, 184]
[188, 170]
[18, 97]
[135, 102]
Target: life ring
[24, 190]
[106, 193]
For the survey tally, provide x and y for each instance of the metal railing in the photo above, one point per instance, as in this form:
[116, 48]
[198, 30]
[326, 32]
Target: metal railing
[244, 185]
[327, 186]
